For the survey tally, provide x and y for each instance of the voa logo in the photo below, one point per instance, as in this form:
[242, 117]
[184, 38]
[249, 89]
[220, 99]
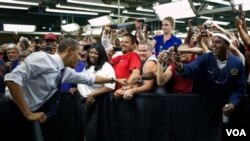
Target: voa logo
[236, 132]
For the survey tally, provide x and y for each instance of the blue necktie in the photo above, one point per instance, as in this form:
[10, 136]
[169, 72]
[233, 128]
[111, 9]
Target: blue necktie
[60, 80]
[57, 94]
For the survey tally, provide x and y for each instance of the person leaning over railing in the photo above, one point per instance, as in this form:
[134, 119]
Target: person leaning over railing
[34, 82]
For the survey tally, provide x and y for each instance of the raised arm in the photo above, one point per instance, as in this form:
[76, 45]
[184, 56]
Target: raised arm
[244, 35]
[190, 33]
[163, 77]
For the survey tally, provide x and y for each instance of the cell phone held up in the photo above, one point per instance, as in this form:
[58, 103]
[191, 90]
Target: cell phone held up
[240, 10]
[176, 48]
[204, 34]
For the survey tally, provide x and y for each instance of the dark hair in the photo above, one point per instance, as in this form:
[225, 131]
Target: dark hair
[25, 43]
[102, 56]
[67, 42]
[3, 66]
[132, 38]
[148, 28]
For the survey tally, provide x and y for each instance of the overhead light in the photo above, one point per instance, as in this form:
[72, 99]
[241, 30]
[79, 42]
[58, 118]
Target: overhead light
[93, 31]
[139, 8]
[122, 16]
[69, 11]
[95, 4]
[210, 7]
[136, 13]
[33, 33]
[19, 2]
[217, 22]
[173, 9]
[70, 27]
[196, 3]
[205, 17]
[211, 19]
[80, 8]
[100, 21]
[176, 21]
[14, 7]
[222, 22]
[114, 15]
[219, 2]
[247, 19]
[19, 28]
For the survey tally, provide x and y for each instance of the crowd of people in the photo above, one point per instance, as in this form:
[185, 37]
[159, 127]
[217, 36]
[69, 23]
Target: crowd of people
[211, 60]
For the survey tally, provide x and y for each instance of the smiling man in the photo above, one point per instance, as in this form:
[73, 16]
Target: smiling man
[218, 74]
[128, 65]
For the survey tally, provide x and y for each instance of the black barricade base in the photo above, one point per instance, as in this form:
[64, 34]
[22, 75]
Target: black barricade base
[67, 123]
[147, 117]
[155, 117]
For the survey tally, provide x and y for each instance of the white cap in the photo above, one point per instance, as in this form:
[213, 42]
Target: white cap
[223, 36]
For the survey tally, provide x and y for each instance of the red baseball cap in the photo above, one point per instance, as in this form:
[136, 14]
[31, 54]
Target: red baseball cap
[50, 36]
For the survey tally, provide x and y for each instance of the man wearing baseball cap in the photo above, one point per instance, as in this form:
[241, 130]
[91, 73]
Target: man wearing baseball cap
[219, 75]
[51, 44]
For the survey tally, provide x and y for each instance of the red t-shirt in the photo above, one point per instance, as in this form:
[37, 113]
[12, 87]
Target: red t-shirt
[180, 84]
[124, 64]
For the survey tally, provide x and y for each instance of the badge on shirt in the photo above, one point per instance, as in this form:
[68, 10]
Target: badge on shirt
[234, 71]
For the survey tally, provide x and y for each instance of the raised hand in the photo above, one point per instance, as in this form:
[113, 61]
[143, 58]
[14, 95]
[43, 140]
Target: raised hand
[163, 56]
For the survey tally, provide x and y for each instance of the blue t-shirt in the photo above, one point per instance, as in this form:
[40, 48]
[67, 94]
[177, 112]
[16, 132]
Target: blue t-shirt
[160, 45]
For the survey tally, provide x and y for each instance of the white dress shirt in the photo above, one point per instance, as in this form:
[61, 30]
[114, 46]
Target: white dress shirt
[106, 71]
[39, 76]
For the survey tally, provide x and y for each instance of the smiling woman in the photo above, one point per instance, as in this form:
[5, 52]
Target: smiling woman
[97, 64]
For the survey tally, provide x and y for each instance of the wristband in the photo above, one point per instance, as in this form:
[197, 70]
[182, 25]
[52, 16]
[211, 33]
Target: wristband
[112, 80]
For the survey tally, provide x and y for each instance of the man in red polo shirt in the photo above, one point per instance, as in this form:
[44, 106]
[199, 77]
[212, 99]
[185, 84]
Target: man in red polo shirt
[127, 65]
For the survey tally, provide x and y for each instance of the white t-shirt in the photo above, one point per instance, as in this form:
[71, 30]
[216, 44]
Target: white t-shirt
[106, 71]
